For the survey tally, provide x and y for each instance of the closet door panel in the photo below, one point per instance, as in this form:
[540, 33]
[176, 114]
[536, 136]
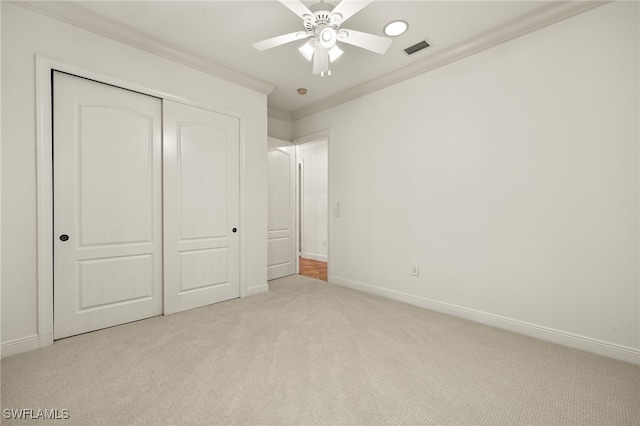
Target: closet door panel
[107, 205]
[201, 207]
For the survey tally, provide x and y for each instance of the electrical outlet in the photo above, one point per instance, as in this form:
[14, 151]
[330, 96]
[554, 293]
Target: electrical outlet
[415, 270]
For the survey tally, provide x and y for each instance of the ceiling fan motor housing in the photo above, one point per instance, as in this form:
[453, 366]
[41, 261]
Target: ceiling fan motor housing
[322, 17]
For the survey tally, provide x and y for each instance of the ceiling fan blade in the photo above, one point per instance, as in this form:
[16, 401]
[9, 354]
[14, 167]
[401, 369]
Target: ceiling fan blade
[365, 40]
[279, 40]
[297, 7]
[348, 8]
[321, 60]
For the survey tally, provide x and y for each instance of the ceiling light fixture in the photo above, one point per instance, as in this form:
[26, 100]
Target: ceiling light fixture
[396, 28]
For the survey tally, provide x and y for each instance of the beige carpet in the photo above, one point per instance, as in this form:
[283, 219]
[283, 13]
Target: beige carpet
[309, 352]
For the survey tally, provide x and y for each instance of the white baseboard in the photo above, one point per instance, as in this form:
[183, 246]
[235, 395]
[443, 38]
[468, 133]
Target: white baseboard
[18, 346]
[619, 352]
[314, 256]
[262, 288]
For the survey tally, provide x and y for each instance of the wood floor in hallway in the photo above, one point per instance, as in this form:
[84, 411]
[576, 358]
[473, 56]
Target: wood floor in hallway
[313, 268]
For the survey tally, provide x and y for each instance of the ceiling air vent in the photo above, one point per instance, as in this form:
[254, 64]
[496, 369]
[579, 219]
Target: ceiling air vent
[416, 47]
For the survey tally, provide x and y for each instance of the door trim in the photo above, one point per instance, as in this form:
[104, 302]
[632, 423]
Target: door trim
[44, 178]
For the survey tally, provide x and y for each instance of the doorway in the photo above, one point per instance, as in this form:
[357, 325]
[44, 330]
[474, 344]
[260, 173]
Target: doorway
[312, 202]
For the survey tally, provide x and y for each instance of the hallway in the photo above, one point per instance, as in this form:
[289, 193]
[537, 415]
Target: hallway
[313, 268]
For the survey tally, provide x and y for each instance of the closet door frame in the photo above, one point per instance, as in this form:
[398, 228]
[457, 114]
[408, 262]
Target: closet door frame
[44, 178]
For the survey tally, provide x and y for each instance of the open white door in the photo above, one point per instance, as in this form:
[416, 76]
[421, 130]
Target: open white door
[107, 205]
[281, 246]
[201, 207]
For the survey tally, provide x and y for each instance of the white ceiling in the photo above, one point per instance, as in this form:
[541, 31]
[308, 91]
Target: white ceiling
[219, 34]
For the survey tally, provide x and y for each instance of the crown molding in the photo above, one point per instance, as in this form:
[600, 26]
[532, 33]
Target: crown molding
[82, 18]
[279, 114]
[548, 14]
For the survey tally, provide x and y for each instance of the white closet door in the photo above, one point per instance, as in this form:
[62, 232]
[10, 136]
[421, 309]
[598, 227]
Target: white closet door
[201, 207]
[107, 205]
[281, 242]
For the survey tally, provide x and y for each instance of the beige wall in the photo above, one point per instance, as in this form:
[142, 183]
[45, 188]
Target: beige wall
[25, 34]
[511, 178]
[279, 128]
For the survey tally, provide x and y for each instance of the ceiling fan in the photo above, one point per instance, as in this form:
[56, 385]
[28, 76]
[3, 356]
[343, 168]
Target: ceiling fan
[322, 24]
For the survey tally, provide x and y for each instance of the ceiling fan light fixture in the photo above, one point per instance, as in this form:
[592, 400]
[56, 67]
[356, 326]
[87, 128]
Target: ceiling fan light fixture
[396, 28]
[307, 50]
[334, 53]
[327, 38]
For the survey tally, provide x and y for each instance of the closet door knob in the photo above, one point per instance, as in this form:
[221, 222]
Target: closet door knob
[64, 237]
[235, 230]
